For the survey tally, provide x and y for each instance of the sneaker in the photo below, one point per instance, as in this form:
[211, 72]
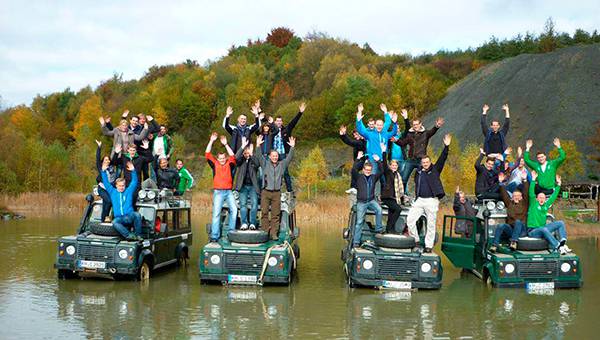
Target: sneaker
[132, 237]
[252, 227]
[493, 249]
[513, 245]
[562, 243]
[567, 249]
[351, 191]
[427, 250]
[562, 250]
[244, 227]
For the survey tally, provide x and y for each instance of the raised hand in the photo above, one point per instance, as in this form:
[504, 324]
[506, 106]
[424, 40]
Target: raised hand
[102, 121]
[98, 142]
[250, 149]
[360, 108]
[383, 147]
[107, 119]
[342, 130]
[270, 119]
[130, 166]
[254, 110]
[528, 144]
[457, 189]
[558, 180]
[533, 175]
[228, 111]
[257, 104]
[524, 176]
[447, 139]
[302, 107]
[118, 148]
[145, 144]
[501, 177]
[481, 151]
[149, 118]
[556, 142]
[508, 151]
[376, 158]
[292, 141]
[505, 107]
[439, 122]
[383, 108]
[359, 115]
[485, 109]
[519, 151]
[404, 113]
[223, 140]
[214, 136]
[125, 114]
[259, 140]
[359, 155]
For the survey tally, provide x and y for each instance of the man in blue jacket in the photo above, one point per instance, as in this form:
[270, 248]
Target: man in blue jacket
[377, 139]
[494, 135]
[122, 202]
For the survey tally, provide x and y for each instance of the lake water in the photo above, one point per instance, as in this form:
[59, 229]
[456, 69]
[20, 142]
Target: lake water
[34, 304]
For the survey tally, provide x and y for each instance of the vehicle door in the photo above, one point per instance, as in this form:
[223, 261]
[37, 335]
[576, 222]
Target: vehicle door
[161, 243]
[457, 247]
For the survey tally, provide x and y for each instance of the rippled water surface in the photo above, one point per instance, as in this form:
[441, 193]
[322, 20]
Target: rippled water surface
[34, 304]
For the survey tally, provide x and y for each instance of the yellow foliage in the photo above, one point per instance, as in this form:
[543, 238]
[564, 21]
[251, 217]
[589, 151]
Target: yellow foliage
[87, 119]
[313, 169]
[23, 118]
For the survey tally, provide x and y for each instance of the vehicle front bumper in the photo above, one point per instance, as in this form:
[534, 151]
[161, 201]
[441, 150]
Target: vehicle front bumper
[274, 279]
[379, 283]
[557, 284]
[111, 269]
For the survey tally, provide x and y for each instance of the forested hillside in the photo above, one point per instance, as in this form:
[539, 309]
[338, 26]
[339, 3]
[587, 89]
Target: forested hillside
[49, 144]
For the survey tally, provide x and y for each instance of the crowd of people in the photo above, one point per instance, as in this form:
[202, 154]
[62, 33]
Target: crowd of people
[384, 160]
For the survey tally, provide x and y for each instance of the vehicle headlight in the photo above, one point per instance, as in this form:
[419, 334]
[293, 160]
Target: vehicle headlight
[123, 254]
[367, 264]
[425, 267]
[142, 194]
[490, 205]
[491, 221]
[70, 250]
[215, 259]
[509, 268]
[151, 195]
[272, 261]
[500, 206]
[565, 267]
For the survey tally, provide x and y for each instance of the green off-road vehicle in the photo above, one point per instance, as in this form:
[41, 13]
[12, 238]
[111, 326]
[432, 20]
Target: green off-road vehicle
[98, 250]
[389, 260]
[532, 265]
[249, 257]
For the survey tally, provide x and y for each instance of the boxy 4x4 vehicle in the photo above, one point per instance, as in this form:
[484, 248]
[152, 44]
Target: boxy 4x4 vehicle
[248, 256]
[532, 265]
[98, 249]
[389, 260]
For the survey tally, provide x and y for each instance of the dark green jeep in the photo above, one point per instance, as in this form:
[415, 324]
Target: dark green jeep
[98, 250]
[532, 265]
[389, 260]
[250, 257]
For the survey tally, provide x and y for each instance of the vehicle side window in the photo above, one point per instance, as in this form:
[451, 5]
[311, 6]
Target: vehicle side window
[184, 219]
[96, 213]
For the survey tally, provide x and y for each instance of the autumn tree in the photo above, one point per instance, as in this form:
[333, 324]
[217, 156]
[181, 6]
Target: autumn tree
[573, 166]
[86, 126]
[313, 169]
[25, 120]
[280, 36]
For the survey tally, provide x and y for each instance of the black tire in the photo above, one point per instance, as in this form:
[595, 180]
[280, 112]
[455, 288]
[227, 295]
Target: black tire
[104, 229]
[296, 250]
[248, 236]
[182, 258]
[531, 243]
[144, 271]
[394, 241]
[64, 274]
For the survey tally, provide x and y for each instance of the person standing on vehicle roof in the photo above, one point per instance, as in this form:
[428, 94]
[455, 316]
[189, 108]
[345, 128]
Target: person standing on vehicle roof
[247, 185]
[241, 132]
[428, 191]
[546, 169]
[222, 168]
[122, 202]
[494, 135]
[516, 214]
[392, 192]
[417, 139]
[358, 144]
[270, 198]
[537, 217]
[365, 195]
[186, 180]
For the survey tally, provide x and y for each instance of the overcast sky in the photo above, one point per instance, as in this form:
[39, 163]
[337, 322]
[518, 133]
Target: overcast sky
[47, 46]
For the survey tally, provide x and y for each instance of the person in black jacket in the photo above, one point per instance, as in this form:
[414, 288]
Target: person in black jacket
[137, 161]
[428, 192]
[111, 174]
[365, 195]
[358, 144]
[495, 136]
[392, 193]
[166, 177]
[241, 132]
[486, 181]
[247, 185]
[463, 207]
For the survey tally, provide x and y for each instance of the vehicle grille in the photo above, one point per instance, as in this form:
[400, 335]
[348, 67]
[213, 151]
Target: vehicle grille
[247, 263]
[95, 253]
[541, 269]
[397, 268]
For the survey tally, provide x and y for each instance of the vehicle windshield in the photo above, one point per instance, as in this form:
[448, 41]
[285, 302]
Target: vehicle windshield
[96, 214]
[147, 213]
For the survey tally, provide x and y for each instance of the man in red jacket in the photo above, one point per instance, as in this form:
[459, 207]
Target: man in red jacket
[222, 168]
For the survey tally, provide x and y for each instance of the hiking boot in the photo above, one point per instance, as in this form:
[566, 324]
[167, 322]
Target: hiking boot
[513, 245]
[493, 249]
[244, 227]
[252, 227]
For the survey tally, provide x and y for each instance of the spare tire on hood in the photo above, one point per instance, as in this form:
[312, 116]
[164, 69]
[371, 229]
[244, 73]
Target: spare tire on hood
[104, 229]
[248, 236]
[532, 243]
[394, 241]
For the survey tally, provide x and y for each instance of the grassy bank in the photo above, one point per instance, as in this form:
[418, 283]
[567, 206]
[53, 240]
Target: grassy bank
[323, 212]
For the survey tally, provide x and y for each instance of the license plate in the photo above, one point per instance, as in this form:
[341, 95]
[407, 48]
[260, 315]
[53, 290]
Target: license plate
[397, 284]
[91, 264]
[539, 285]
[244, 279]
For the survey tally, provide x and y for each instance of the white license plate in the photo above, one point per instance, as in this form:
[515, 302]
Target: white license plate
[92, 264]
[539, 285]
[245, 279]
[397, 284]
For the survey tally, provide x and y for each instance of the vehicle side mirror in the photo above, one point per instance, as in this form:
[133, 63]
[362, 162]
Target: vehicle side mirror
[89, 198]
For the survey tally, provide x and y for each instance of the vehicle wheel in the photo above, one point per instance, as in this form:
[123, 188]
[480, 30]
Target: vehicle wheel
[296, 250]
[350, 283]
[104, 229]
[394, 241]
[64, 274]
[248, 236]
[532, 243]
[488, 281]
[144, 272]
[182, 259]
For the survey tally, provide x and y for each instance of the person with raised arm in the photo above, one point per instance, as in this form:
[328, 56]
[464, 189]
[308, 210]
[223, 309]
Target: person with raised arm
[281, 136]
[516, 211]
[111, 174]
[222, 167]
[546, 169]
[494, 135]
[241, 132]
[247, 185]
[486, 180]
[378, 138]
[358, 144]
[428, 192]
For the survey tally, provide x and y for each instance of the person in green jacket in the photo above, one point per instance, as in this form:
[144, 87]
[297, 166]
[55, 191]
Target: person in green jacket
[537, 214]
[186, 180]
[545, 168]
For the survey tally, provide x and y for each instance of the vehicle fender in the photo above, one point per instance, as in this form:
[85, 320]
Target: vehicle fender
[146, 253]
[181, 247]
[489, 267]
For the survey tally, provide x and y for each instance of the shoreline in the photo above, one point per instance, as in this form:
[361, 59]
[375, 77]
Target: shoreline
[326, 211]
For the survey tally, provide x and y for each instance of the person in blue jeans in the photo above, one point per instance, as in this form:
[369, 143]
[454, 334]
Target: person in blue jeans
[247, 185]
[122, 200]
[377, 140]
[365, 196]
[516, 219]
